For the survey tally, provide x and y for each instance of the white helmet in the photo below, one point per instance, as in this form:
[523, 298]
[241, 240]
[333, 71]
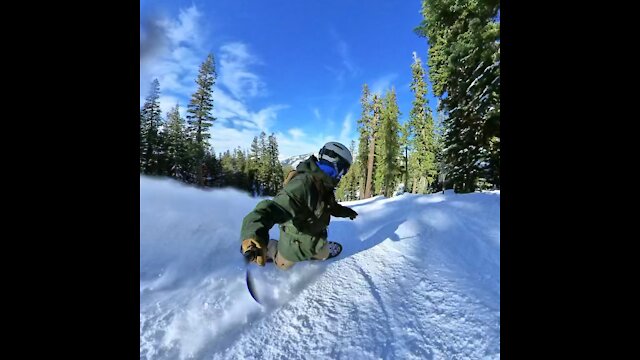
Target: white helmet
[338, 155]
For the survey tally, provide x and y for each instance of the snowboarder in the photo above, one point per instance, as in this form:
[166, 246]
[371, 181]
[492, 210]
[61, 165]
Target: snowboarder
[303, 209]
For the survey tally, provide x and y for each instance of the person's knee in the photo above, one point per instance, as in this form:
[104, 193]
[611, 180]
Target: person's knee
[283, 267]
[323, 253]
[272, 249]
[282, 263]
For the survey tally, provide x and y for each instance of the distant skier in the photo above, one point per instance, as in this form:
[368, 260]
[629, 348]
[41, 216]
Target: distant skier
[303, 208]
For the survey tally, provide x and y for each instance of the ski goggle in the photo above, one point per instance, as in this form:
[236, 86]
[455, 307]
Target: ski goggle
[341, 165]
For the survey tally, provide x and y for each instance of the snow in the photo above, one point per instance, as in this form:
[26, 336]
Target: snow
[490, 67]
[295, 160]
[418, 278]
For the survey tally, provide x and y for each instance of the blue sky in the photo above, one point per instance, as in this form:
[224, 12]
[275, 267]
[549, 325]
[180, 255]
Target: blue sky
[293, 68]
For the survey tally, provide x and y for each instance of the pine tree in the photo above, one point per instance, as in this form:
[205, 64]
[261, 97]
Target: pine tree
[373, 132]
[420, 129]
[263, 166]
[241, 170]
[348, 186]
[404, 152]
[191, 159]
[364, 128]
[210, 169]
[162, 150]
[226, 162]
[340, 192]
[176, 144]
[143, 141]
[354, 174]
[253, 166]
[200, 109]
[275, 168]
[464, 62]
[440, 162]
[150, 122]
[388, 146]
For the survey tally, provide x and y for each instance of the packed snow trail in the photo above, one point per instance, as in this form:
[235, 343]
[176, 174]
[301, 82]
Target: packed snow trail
[418, 278]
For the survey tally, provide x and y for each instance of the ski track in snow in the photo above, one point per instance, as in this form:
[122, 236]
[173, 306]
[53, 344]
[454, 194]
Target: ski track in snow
[418, 278]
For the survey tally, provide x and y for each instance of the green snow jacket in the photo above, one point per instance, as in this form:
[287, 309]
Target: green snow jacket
[303, 208]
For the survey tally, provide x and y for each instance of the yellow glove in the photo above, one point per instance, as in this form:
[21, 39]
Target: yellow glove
[254, 251]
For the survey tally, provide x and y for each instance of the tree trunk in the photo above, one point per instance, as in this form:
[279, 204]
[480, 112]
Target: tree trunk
[199, 177]
[406, 167]
[372, 146]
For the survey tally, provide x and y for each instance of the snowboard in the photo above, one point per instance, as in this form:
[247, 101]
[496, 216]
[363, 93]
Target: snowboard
[335, 249]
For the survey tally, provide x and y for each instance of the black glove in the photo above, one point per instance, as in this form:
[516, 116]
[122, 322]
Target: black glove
[351, 214]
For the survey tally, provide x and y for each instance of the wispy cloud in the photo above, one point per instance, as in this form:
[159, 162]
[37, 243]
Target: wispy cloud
[290, 144]
[343, 50]
[152, 38]
[175, 49]
[169, 102]
[345, 134]
[234, 131]
[264, 118]
[293, 141]
[225, 138]
[296, 133]
[235, 75]
[338, 73]
[238, 123]
[186, 29]
[176, 56]
[346, 66]
[225, 106]
[383, 83]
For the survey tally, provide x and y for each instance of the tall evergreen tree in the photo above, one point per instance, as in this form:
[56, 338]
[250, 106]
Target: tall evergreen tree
[226, 162]
[143, 141]
[150, 122]
[388, 146]
[348, 187]
[275, 168]
[176, 144]
[354, 173]
[200, 109]
[241, 169]
[421, 132]
[439, 155]
[162, 151]
[364, 128]
[464, 62]
[373, 133]
[263, 165]
[404, 152]
[211, 169]
[253, 166]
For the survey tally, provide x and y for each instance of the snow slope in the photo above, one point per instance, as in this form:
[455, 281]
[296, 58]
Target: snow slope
[419, 278]
[295, 159]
